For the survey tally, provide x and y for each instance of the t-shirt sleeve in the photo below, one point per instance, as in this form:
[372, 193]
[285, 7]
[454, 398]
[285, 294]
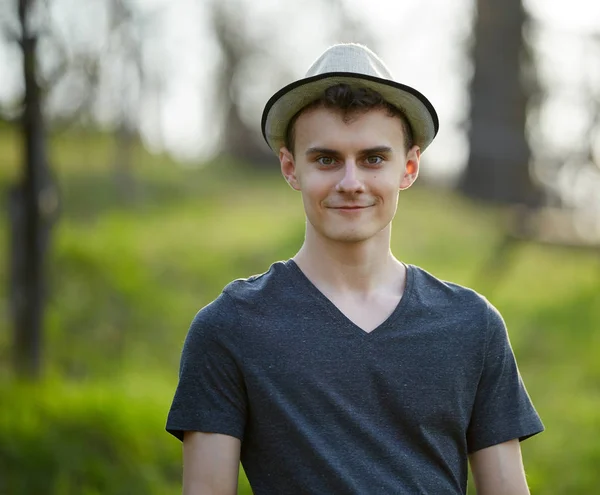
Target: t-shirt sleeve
[210, 395]
[502, 410]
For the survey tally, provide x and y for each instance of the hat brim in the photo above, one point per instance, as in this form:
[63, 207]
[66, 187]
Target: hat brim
[288, 101]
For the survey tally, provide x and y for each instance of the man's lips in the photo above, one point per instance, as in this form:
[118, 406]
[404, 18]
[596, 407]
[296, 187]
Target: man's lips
[349, 207]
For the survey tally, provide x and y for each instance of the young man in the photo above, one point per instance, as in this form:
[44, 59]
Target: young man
[344, 370]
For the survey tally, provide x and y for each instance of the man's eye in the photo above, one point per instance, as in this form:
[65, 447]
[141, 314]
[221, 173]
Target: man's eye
[374, 160]
[327, 161]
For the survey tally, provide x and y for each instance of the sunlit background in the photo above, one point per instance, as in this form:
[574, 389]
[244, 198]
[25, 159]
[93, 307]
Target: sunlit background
[154, 189]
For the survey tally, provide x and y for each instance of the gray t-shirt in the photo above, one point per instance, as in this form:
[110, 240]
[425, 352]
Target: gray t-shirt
[323, 407]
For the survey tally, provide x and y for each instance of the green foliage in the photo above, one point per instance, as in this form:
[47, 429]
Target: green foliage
[91, 439]
[128, 276]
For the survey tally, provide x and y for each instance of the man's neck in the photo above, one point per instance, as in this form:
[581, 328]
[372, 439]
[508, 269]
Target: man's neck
[359, 268]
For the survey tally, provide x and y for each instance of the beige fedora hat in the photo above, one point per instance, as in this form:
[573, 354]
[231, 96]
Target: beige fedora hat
[357, 66]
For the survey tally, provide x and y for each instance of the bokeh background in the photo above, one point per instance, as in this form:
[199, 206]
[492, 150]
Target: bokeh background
[134, 185]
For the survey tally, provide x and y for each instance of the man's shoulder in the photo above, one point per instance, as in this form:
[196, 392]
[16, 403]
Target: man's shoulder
[434, 291]
[239, 301]
[251, 296]
[257, 287]
[455, 307]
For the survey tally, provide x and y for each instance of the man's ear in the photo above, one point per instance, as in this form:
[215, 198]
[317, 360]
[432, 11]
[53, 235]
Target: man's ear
[411, 170]
[288, 168]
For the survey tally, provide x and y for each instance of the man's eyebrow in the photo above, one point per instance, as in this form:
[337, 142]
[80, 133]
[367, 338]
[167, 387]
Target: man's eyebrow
[325, 151]
[368, 151]
[376, 149]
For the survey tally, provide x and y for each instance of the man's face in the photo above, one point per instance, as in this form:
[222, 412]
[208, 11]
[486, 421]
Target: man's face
[349, 172]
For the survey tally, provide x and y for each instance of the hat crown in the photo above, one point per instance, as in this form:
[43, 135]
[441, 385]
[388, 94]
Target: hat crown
[349, 57]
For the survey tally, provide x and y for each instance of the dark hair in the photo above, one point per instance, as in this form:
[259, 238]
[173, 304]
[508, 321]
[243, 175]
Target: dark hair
[351, 101]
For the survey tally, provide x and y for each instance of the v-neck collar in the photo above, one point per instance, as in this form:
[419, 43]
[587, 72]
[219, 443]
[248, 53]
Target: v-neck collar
[338, 314]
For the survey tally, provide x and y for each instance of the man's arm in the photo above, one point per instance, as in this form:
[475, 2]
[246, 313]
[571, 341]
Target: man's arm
[498, 470]
[211, 463]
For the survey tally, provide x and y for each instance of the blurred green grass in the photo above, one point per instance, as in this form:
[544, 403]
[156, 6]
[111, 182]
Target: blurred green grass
[128, 276]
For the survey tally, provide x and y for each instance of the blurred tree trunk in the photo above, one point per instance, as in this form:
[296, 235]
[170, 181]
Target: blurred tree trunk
[123, 24]
[123, 162]
[240, 140]
[33, 202]
[498, 166]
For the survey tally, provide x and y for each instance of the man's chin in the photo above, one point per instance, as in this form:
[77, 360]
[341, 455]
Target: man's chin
[349, 237]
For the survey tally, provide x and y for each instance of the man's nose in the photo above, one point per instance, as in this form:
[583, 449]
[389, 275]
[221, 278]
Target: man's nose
[350, 182]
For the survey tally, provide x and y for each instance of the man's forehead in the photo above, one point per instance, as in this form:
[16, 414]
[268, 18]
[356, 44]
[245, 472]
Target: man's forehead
[326, 128]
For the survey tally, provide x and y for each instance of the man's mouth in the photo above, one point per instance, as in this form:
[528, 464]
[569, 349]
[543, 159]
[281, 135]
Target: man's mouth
[349, 207]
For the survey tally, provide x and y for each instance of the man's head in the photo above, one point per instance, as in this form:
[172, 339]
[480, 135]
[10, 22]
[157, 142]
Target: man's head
[349, 138]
